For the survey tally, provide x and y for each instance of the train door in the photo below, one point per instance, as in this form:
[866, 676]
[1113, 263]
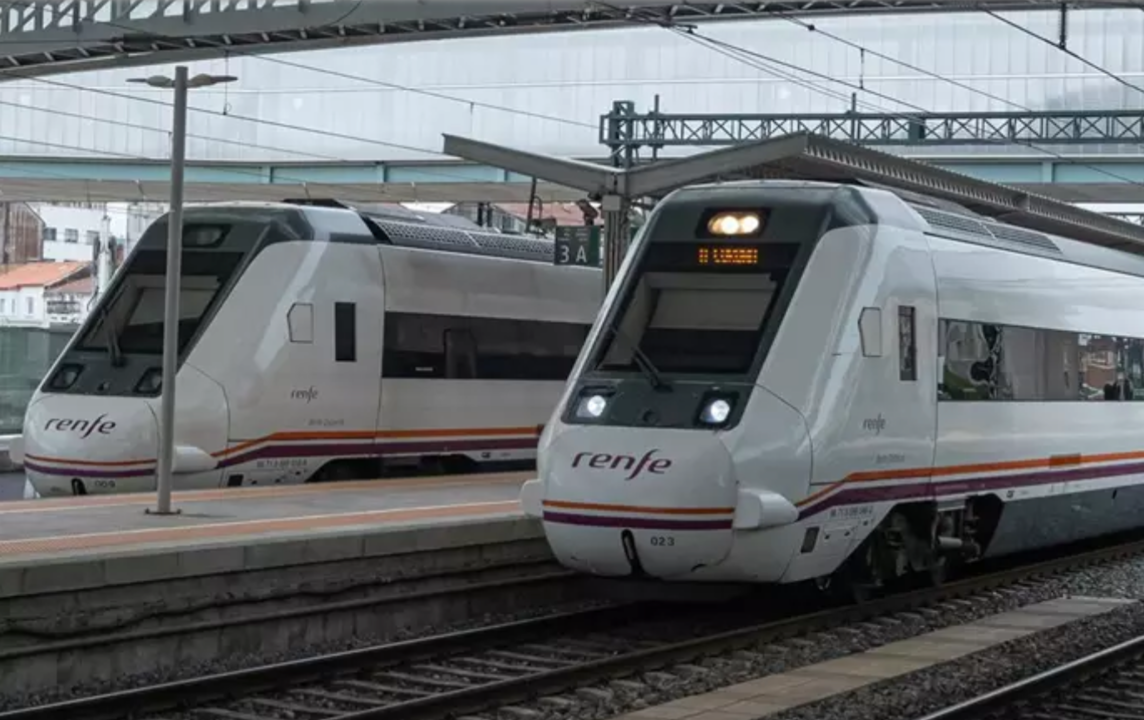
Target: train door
[306, 405]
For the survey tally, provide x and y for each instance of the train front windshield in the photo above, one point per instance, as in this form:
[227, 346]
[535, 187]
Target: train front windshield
[119, 348]
[701, 296]
[131, 322]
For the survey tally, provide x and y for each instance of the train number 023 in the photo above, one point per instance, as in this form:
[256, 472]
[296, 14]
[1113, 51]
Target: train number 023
[662, 541]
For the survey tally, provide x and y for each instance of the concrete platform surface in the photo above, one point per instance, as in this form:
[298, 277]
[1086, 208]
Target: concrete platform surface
[236, 529]
[774, 693]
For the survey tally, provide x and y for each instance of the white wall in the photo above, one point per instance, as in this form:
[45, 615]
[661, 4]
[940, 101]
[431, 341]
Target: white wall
[128, 221]
[74, 229]
[14, 309]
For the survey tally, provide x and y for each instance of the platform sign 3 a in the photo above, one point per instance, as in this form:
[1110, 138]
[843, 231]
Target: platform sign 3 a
[578, 245]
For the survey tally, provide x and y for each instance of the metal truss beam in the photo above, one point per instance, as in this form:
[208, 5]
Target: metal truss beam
[621, 131]
[43, 37]
[1135, 218]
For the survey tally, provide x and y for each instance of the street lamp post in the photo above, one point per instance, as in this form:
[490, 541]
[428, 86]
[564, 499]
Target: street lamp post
[181, 84]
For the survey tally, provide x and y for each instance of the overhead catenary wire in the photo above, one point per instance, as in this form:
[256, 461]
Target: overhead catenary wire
[1075, 55]
[254, 120]
[166, 131]
[737, 52]
[239, 52]
[812, 27]
[244, 118]
[725, 48]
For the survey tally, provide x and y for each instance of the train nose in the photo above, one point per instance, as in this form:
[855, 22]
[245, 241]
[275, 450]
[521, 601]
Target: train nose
[671, 501]
[89, 444]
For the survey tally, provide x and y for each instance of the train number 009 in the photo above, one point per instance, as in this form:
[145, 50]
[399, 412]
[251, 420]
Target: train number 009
[662, 541]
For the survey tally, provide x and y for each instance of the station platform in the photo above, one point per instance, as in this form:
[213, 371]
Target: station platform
[77, 543]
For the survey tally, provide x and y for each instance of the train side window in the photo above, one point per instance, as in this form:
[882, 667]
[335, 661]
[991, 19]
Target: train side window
[460, 354]
[1133, 365]
[1105, 365]
[1058, 364]
[907, 345]
[971, 352]
[300, 319]
[345, 332]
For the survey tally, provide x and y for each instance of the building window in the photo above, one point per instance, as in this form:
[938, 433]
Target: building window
[92, 237]
[71, 235]
[49, 234]
[31, 305]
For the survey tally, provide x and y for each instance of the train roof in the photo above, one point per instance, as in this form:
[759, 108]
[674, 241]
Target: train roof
[332, 219]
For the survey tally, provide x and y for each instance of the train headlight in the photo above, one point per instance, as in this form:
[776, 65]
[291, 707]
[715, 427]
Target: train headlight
[716, 410]
[595, 405]
[734, 223]
[151, 382]
[592, 404]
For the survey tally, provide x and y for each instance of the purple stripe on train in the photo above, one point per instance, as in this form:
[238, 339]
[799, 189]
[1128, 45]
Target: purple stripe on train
[855, 494]
[98, 472]
[366, 449]
[635, 522]
[337, 450]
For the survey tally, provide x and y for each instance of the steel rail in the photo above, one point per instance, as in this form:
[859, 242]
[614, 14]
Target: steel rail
[1064, 675]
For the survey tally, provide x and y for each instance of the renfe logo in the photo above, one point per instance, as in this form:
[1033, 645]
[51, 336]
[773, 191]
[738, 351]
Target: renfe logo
[83, 428]
[604, 461]
[308, 394]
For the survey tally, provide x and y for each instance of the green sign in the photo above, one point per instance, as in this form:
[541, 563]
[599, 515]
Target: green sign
[578, 245]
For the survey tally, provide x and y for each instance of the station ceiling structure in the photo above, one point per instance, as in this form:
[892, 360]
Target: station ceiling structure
[811, 157]
[45, 37]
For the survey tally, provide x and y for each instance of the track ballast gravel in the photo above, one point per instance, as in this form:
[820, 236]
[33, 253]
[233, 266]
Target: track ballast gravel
[908, 697]
[926, 691]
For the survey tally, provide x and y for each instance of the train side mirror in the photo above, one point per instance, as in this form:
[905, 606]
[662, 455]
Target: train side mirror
[870, 329]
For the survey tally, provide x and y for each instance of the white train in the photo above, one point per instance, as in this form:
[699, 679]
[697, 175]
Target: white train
[806, 381]
[316, 343]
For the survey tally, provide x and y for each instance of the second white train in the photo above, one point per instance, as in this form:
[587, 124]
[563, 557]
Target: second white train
[315, 343]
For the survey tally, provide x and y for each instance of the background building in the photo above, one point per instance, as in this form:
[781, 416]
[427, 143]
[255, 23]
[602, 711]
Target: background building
[21, 233]
[512, 217]
[24, 292]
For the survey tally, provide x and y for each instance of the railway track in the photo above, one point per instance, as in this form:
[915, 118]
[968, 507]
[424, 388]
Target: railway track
[473, 671]
[334, 616]
[1106, 684]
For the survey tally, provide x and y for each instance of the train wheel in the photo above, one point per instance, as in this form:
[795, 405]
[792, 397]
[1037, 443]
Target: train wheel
[851, 584]
[938, 572]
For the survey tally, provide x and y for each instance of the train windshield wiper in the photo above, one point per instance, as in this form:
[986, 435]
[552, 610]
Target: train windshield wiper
[643, 362]
[110, 334]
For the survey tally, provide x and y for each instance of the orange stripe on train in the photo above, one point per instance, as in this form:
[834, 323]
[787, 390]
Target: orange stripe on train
[1054, 461]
